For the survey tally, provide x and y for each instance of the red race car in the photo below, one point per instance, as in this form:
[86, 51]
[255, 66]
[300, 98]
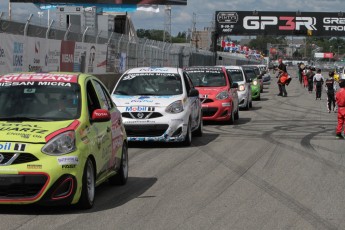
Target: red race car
[217, 93]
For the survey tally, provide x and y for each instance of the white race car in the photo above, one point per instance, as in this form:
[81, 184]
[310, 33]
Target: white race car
[158, 104]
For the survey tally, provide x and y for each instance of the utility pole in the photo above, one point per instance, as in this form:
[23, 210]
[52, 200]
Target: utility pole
[194, 37]
[9, 10]
[167, 24]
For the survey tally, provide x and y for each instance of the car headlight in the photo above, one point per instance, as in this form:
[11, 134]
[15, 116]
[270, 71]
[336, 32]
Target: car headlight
[241, 88]
[175, 107]
[222, 95]
[255, 82]
[61, 144]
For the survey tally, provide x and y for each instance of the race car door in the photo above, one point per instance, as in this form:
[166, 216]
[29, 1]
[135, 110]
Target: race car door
[194, 102]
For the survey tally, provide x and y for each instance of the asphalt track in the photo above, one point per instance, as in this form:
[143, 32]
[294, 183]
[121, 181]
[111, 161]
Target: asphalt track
[278, 167]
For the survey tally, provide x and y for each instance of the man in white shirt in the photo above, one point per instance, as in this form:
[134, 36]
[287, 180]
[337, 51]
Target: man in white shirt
[318, 80]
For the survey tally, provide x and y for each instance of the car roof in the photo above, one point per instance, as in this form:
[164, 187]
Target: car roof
[233, 67]
[154, 70]
[202, 68]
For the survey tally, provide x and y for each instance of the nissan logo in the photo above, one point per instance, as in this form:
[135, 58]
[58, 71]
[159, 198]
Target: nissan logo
[140, 115]
[1, 158]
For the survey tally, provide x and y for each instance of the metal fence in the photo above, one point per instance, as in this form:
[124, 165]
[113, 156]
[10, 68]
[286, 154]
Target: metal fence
[140, 51]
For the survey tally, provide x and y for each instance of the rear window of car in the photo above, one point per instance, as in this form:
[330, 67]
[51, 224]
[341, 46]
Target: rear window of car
[235, 74]
[250, 73]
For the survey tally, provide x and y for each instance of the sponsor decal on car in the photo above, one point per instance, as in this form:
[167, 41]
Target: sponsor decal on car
[7, 146]
[68, 166]
[68, 160]
[139, 122]
[39, 77]
[139, 109]
[26, 128]
[34, 166]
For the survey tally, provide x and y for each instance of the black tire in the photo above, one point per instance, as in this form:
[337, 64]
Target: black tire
[122, 175]
[251, 104]
[232, 118]
[237, 115]
[188, 139]
[199, 131]
[87, 197]
[259, 98]
[247, 105]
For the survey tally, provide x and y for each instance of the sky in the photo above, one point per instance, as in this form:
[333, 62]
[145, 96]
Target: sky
[204, 10]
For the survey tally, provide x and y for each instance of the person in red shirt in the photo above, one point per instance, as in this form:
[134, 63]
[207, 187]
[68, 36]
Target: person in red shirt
[340, 99]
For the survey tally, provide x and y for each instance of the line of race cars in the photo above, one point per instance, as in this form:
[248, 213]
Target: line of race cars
[63, 134]
[169, 104]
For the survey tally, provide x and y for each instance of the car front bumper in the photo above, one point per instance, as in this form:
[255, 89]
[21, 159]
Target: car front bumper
[51, 180]
[167, 128]
[255, 91]
[217, 110]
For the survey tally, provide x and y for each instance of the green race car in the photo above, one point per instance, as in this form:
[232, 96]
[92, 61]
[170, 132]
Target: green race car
[60, 136]
[255, 82]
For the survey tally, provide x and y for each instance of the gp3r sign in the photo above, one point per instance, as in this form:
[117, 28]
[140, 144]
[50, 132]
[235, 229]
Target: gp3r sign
[280, 23]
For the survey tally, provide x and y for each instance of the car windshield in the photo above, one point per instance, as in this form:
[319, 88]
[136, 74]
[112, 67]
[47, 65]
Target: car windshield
[236, 75]
[31, 101]
[156, 84]
[207, 79]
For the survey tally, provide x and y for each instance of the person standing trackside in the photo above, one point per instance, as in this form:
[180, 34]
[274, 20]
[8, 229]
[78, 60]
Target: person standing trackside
[282, 77]
[318, 81]
[340, 98]
[331, 88]
[310, 76]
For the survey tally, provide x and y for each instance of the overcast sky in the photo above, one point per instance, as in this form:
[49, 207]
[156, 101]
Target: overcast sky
[182, 16]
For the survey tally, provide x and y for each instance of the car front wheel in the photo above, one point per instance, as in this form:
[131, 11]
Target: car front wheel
[87, 197]
[199, 131]
[188, 139]
[122, 175]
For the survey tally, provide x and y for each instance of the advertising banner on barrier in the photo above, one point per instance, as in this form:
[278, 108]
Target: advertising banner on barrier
[280, 23]
[35, 53]
[67, 56]
[80, 57]
[52, 55]
[17, 48]
[323, 55]
[5, 54]
[96, 58]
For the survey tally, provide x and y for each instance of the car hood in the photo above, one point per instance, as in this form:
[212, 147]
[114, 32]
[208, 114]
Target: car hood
[211, 91]
[29, 131]
[159, 101]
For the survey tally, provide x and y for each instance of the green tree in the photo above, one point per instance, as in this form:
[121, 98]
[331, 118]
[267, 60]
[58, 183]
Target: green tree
[260, 42]
[158, 35]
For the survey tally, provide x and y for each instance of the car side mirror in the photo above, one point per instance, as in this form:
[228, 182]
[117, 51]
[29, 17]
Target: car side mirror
[100, 115]
[193, 93]
[234, 85]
